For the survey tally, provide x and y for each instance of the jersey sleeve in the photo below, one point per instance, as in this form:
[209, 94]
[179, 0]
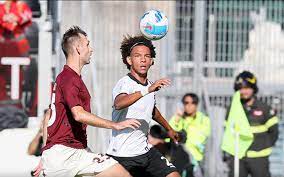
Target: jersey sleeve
[272, 125]
[123, 86]
[70, 92]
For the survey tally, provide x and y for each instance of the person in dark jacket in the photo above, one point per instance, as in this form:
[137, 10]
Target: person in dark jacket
[174, 153]
[264, 126]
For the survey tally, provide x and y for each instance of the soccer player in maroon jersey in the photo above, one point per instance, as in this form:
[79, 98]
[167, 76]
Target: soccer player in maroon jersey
[65, 153]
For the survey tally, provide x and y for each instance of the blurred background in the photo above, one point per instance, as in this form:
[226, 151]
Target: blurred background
[207, 45]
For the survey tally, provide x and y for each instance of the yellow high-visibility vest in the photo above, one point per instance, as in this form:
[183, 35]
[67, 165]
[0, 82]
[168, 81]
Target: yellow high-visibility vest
[197, 128]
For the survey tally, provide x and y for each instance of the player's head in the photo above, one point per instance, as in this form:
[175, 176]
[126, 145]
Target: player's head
[76, 43]
[156, 135]
[246, 83]
[190, 102]
[137, 53]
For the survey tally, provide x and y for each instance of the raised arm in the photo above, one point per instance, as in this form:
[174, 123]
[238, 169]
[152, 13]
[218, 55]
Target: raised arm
[124, 100]
[162, 121]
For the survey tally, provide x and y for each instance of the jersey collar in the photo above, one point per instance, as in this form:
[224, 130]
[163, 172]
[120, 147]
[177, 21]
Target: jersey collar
[136, 80]
[66, 67]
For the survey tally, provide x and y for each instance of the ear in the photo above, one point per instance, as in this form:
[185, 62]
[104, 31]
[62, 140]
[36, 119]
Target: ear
[78, 50]
[152, 62]
[128, 59]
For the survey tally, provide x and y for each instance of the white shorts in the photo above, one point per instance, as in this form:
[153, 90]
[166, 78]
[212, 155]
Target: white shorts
[63, 161]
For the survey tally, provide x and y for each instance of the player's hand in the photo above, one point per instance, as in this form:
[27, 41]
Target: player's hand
[129, 123]
[174, 136]
[178, 116]
[38, 169]
[159, 84]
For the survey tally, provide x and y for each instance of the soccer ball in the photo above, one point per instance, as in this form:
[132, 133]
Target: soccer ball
[154, 25]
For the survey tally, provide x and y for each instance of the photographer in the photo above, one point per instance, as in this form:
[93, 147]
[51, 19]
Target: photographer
[173, 152]
[197, 127]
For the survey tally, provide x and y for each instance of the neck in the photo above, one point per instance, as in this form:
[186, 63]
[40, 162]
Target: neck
[250, 101]
[191, 114]
[74, 64]
[141, 78]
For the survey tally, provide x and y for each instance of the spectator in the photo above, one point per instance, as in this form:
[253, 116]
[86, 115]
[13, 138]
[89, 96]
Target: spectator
[197, 127]
[15, 17]
[173, 152]
[257, 125]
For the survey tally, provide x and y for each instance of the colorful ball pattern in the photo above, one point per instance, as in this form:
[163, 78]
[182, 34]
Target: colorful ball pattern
[154, 25]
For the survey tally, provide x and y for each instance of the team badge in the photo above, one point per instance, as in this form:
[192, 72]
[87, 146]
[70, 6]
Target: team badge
[257, 113]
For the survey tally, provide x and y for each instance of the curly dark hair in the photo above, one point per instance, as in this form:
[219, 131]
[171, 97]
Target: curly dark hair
[129, 42]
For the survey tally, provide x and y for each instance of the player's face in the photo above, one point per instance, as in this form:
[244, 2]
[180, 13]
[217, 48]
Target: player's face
[246, 93]
[141, 60]
[190, 108]
[85, 49]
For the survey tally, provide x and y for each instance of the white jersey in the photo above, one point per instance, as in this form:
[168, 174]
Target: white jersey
[129, 142]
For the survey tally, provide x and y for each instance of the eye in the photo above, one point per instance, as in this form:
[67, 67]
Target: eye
[148, 56]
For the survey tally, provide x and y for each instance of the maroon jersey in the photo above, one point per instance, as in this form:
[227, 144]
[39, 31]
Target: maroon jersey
[70, 91]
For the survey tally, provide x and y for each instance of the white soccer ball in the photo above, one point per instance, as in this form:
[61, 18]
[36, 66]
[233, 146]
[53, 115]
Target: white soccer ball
[154, 25]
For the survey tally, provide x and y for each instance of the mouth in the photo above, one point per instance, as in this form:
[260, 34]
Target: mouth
[143, 67]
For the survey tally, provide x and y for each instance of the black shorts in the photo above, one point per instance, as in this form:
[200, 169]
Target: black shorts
[151, 164]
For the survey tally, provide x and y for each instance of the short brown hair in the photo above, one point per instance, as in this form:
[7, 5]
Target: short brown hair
[69, 36]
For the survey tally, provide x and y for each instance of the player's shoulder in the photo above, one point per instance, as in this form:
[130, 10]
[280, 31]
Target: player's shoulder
[65, 78]
[125, 80]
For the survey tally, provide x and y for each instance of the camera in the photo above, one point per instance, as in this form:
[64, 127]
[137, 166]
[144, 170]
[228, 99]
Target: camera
[182, 136]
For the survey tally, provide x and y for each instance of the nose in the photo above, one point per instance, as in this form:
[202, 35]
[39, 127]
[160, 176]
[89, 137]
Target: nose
[143, 59]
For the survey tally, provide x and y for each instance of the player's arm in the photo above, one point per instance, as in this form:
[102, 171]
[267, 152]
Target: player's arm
[44, 126]
[162, 121]
[272, 125]
[33, 146]
[37, 170]
[85, 117]
[124, 100]
[70, 90]
[42, 133]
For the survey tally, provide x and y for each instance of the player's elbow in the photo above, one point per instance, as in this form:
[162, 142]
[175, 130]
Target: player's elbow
[121, 102]
[30, 151]
[77, 114]
[77, 117]
[118, 106]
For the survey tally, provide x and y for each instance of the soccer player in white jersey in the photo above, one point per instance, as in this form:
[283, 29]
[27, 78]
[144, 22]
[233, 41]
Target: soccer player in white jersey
[134, 97]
